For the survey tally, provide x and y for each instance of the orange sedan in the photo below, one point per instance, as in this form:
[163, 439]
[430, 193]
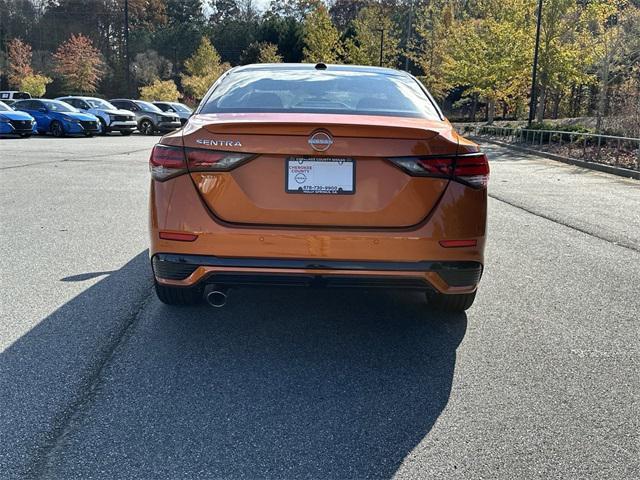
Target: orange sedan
[317, 175]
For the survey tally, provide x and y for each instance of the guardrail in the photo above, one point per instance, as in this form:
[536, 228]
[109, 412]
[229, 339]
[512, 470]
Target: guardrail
[590, 147]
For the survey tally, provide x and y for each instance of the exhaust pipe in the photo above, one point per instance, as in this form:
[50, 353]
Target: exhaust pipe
[215, 298]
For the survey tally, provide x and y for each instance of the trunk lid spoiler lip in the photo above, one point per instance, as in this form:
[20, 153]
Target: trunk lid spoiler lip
[306, 123]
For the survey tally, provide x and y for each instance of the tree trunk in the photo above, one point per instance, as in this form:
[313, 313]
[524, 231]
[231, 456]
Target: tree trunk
[542, 100]
[474, 108]
[491, 111]
[556, 105]
[602, 97]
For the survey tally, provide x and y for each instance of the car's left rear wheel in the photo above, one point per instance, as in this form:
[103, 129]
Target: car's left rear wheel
[178, 295]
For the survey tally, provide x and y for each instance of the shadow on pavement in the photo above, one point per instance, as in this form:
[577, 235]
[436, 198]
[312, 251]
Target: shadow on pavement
[46, 372]
[281, 383]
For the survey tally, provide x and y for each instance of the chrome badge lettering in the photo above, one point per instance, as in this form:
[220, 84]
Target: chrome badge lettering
[218, 143]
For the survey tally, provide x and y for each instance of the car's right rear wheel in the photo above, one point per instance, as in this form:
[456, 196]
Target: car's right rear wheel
[456, 302]
[178, 295]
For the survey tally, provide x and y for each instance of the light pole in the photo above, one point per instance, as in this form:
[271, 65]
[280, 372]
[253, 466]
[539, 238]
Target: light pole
[534, 74]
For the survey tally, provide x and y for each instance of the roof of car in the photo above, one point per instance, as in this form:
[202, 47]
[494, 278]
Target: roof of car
[313, 66]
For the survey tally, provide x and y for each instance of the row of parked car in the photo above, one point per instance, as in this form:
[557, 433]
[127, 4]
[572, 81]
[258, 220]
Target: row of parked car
[76, 115]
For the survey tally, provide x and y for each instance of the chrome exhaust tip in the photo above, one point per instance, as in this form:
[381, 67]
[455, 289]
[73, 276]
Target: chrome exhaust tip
[216, 298]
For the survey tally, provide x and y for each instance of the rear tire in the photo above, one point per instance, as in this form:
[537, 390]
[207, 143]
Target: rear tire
[456, 302]
[178, 295]
[103, 126]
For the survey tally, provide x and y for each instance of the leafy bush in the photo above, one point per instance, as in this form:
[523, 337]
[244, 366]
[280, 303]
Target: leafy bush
[160, 90]
[35, 84]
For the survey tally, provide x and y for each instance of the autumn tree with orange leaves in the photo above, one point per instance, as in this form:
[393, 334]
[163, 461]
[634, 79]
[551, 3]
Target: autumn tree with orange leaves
[19, 59]
[79, 64]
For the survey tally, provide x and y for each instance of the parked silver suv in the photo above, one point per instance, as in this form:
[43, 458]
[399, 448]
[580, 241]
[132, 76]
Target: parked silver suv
[149, 117]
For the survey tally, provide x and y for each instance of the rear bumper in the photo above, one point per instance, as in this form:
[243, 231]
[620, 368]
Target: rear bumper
[442, 276]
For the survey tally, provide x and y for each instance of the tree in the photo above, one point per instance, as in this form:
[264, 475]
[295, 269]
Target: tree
[428, 47]
[148, 67]
[563, 57]
[35, 84]
[374, 26]
[160, 90]
[321, 39]
[490, 55]
[203, 69]
[261, 52]
[269, 53]
[19, 57]
[79, 64]
[616, 30]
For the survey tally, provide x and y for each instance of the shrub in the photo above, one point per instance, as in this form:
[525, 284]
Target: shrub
[163, 90]
[35, 84]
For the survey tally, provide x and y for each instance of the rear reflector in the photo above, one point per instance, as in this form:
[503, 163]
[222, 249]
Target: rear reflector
[458, 243]
[471, 169]
[178, 236]
[201, 160]
[166, 162]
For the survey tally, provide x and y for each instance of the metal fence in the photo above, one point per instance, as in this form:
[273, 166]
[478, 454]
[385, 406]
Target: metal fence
[605, 149]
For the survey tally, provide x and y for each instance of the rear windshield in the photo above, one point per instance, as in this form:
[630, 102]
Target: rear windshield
[337, 92]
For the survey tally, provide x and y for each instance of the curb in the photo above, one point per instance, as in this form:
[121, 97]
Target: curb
[620, 171]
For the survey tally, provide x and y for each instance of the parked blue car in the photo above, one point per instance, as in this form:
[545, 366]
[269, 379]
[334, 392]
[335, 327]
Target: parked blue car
[16, 123]
[111, 118]
[59, 118]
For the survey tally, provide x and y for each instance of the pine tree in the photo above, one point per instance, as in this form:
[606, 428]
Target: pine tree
[374, 26]
[203, 68]
[321, 39]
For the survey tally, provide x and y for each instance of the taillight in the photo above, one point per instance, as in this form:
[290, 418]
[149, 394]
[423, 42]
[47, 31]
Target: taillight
[200, 160]
[472, 169]
[166, 162]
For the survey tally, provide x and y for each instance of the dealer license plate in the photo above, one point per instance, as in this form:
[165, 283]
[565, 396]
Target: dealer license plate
[334, 176]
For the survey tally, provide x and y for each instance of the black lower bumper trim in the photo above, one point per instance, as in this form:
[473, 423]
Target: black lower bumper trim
[179, 267]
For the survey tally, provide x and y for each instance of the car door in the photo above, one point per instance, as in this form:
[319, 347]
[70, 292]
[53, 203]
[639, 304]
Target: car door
[37, 110]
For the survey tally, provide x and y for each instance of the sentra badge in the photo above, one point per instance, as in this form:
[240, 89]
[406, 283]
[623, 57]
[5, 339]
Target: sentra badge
[218, 143]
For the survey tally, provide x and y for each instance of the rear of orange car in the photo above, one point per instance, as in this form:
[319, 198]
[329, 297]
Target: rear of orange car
[303, 175]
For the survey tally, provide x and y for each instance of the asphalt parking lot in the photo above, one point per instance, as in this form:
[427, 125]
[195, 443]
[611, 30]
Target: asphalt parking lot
[98, 379]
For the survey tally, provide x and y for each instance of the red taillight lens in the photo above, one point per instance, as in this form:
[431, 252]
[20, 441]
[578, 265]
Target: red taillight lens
[470, 169]
[200, 160]
[473, 169]
[166, 162]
